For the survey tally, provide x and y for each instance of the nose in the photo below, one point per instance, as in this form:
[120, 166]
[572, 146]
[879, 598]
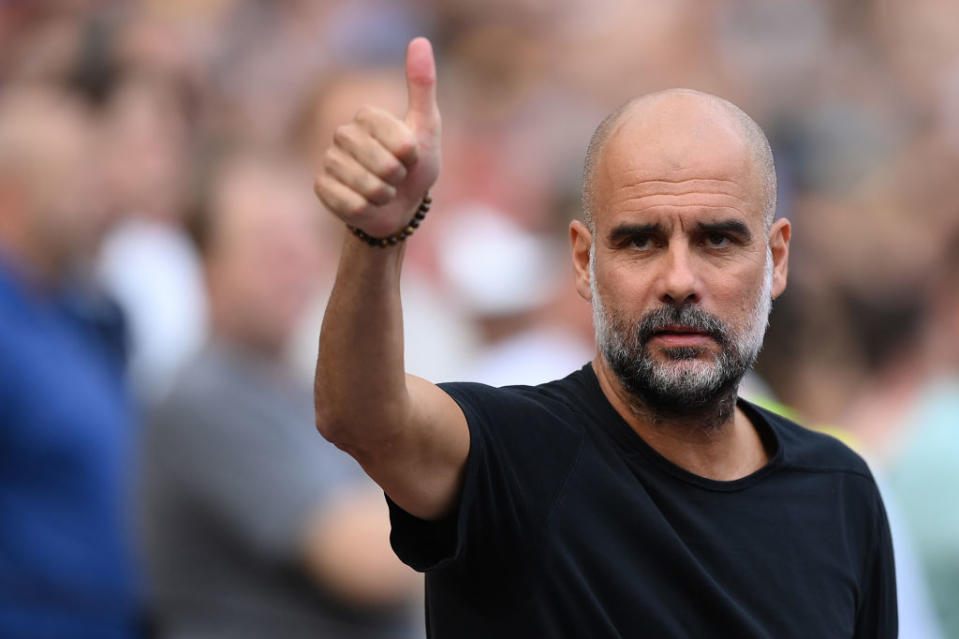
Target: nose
[678, 281]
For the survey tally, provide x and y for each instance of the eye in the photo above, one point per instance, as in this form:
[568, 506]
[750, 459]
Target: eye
[717, 240]
[644, 241]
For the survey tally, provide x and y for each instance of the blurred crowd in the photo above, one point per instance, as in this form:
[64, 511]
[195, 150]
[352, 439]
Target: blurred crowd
[164, 267]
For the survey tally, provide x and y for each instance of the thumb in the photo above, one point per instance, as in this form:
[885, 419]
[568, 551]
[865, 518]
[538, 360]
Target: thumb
[422, 113]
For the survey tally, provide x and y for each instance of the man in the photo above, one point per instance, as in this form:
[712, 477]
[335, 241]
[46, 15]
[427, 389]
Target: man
[255, 527]
[66, 427]
[636, 497]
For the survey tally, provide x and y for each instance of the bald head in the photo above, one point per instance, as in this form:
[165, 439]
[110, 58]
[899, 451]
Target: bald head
[671, 130]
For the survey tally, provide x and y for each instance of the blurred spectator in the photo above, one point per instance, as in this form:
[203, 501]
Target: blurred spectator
[66, 433]
[923, 470]
[148, 263]
[512, 281]
[255, 526]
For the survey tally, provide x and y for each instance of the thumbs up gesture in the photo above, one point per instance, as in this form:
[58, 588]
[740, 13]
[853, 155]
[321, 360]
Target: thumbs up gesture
[379, 167]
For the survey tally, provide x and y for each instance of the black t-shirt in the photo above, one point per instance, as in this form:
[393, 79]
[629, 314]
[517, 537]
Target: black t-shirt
[570, 525]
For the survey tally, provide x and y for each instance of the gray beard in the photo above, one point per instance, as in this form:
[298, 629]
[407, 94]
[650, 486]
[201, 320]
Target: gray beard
[686, 387]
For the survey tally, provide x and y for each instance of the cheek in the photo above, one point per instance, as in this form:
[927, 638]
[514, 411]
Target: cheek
[737, 295]
[624, 290]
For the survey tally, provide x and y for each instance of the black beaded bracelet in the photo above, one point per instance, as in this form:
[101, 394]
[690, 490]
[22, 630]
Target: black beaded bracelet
[396, 238]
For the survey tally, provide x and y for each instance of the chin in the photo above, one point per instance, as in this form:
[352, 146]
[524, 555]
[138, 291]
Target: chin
[687, 353]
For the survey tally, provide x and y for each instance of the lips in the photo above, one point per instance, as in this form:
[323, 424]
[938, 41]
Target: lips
[679, 329]
[685, 326]
[676, 335]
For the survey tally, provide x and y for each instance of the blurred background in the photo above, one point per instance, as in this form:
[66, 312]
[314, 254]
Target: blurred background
[159, 242]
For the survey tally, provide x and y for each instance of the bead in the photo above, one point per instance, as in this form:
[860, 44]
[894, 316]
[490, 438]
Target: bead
[396, 238]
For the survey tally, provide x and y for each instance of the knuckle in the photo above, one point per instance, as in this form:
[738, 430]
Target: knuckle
[406, 151]
[343, 134]
[375, 118]
[381, 193]
[352, 207]
[364, 113]
[331, 160]
[322, 191]
[394, 172]
[358, 207]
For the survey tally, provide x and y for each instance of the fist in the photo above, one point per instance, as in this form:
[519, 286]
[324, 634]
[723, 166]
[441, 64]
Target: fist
[379, 167]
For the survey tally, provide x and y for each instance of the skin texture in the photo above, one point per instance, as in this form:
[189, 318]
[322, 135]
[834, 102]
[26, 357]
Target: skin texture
[677, 162]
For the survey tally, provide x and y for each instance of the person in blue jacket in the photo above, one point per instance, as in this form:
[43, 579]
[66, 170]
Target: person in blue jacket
[66, 432]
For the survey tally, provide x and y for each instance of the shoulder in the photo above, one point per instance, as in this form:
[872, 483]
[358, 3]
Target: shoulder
[537, 431]
[555, 405]
[524, 443]
[805, 449]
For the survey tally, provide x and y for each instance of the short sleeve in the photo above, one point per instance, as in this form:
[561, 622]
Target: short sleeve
[523, 445]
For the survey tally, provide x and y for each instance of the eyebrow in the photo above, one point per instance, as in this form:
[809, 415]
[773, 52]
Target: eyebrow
[734, 227]
[625, 231]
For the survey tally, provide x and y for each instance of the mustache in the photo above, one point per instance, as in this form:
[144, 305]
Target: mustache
[686, 316]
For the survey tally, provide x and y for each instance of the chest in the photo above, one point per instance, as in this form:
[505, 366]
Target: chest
[644, 554]
[65, 414]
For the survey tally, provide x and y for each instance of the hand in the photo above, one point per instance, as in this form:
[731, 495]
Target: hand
[379, 167]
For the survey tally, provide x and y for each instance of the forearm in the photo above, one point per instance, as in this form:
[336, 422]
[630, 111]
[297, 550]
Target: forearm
[348, 552]
[408, 435]
[360, 387]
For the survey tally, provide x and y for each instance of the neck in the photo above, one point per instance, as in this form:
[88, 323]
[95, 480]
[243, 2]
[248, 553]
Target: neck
[717, 442]
[37, 268]
[710, 418]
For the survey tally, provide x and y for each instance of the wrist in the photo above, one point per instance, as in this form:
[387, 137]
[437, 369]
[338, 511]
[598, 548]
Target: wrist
[400, 236]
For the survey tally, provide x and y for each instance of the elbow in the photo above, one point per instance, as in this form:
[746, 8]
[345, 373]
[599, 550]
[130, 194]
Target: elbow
[357, 431]
[330, 419]
[330, 425]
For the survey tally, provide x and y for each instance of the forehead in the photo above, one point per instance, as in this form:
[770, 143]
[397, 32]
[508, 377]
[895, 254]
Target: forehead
[687, 158]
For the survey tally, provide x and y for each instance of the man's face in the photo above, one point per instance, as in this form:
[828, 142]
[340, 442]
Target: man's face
[681, 270]
[264, 258]
[682, 374]
[61, 176]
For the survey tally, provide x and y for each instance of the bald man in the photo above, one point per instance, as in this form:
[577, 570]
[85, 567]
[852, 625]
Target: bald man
[638, 496]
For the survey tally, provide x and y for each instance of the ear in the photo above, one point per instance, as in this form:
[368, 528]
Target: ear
[580, 240]
[779, 247]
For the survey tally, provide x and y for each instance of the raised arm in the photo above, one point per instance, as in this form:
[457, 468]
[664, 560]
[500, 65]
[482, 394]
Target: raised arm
[408, 435]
